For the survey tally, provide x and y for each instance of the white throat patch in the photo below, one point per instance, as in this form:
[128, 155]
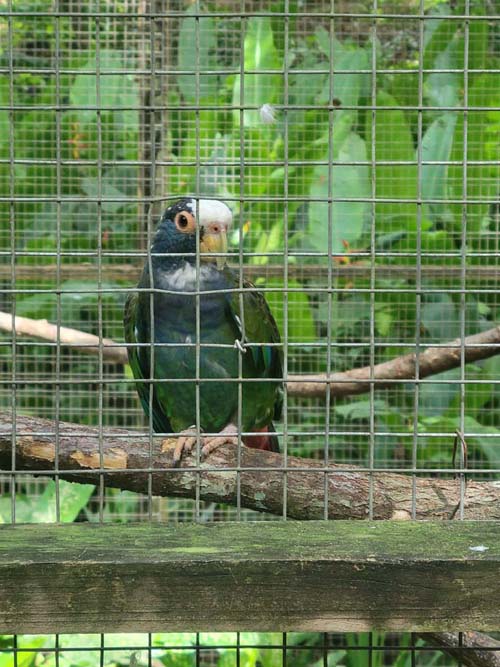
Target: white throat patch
[184, 278]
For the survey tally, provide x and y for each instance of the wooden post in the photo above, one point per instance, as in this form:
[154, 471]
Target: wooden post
[263, 576]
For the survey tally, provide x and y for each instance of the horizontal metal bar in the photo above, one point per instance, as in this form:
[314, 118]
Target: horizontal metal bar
[235, 71]
[266, 199]
[264, 290]
[239, 107]
[339, 470]
[417, 16]
[291, 254]
[247, 163]
[69, 382]
[319, 344]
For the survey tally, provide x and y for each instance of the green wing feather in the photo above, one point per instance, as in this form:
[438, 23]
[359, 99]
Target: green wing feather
[139, 360]
[260, 327]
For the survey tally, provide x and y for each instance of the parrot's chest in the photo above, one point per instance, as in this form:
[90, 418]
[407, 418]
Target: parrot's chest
[176, 326]
[176, 304]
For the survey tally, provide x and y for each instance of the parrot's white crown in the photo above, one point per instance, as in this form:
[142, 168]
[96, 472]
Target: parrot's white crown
[211, 211]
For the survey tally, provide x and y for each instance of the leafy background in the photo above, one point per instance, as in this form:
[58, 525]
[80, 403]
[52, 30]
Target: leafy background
[91, 123]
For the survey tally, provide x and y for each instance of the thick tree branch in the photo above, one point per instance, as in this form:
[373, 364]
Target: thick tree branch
[475, 650]
[431, 361]
[124, 455]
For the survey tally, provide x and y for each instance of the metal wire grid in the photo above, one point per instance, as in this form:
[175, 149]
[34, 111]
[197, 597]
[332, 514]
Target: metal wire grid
[246, 170]
[306, 423]
[204, 650]
[139, 41]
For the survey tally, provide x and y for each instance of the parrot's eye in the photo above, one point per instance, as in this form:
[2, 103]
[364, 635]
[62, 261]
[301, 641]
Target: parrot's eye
[184, 221]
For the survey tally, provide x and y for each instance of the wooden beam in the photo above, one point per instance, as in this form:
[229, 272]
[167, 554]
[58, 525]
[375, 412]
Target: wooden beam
[307, 576]
[357, 269]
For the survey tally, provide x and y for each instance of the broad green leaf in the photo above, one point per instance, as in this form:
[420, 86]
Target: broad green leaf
[476, 394]
[393, 142]
[440, 318]
[115, 90]
[444, 51]
[436, 398]
[483, 144]
[108, 191]
[347, 87]
[362, 409]
[72, 498]
[384, 319]
[301, 325]
[347, 218]
[203, 31]
[258, 89]
[436, 147]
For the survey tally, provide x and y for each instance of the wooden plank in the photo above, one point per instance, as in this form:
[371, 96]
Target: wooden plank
[311, 576]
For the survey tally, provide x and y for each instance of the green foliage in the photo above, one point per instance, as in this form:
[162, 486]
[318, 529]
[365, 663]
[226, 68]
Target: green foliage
[304, 649]
[71, 499]
[329, 159]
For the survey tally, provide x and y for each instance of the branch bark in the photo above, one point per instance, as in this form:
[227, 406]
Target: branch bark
[431, 361]
[475, 650]
[78, 340]
[124, 461]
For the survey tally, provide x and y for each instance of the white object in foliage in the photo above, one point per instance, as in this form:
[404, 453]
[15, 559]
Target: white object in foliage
[267, 114]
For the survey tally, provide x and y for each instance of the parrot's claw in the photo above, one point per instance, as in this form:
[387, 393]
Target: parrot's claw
[187, 441]
[228, 435]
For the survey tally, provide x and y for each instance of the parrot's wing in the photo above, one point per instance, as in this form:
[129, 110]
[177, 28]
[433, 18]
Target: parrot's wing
[258, 326]
[139, 360]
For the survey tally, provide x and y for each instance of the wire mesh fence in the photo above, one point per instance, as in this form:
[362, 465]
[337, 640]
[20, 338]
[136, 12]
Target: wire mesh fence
[358, 147]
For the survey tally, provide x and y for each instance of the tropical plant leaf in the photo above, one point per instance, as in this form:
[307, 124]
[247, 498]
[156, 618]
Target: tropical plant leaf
[258, 89]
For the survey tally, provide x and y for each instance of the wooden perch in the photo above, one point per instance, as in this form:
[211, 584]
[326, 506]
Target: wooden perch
[317, 576]
[125, 455]
[432, 361]
[78, 340]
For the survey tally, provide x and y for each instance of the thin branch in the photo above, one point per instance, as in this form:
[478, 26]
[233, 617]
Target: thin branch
[124, 461]
[432, 361]
[78, 340]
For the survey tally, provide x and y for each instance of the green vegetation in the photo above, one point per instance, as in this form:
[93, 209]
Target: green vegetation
[220, 649]
[91, 149]
[365, 153]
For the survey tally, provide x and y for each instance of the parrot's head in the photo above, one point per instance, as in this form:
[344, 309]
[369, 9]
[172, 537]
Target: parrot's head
[186, 219]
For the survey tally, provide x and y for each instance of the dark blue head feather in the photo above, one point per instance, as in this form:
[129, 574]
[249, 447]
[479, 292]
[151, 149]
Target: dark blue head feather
[181, 246]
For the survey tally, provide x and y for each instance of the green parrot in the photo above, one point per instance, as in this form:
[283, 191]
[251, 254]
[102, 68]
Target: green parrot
[229, 327]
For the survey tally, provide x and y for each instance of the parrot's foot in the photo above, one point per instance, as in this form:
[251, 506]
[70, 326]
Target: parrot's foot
[187, 441]
[228, 435]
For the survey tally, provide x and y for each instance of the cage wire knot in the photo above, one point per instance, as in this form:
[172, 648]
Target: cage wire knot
[240, 345]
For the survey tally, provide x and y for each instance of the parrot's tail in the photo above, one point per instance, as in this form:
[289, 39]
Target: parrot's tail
[267, 439]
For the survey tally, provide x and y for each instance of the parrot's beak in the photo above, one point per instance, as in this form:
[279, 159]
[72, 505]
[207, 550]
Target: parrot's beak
[212, 243]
